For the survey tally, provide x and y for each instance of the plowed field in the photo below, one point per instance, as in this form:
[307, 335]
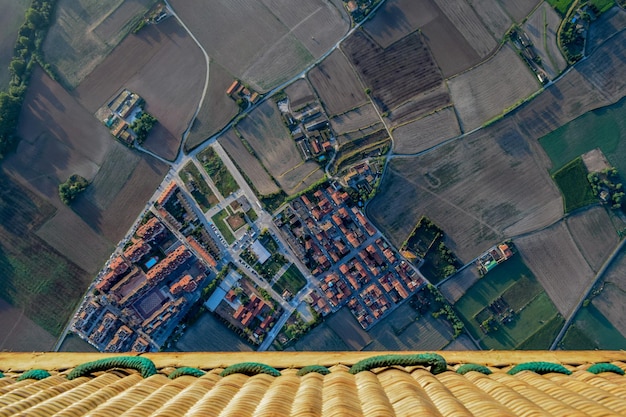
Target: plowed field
[426, 132]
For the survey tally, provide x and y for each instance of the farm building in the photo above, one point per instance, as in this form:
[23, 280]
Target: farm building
[497, 383]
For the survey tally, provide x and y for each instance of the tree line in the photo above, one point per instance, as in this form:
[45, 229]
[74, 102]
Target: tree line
[26, 53]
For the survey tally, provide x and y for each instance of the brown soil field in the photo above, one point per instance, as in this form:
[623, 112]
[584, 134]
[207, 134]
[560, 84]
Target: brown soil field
[208, 334]
[454, 288]
[519, 9]
[594, 234]
[85, 32]
[597, 81]
[264, 130]
[322, 338]
[397, 18]
[355, 119]
[421, 105]
[337, 85]
[606, 26]
[487, 90]
[320, 31]
[394, 74]
[612, 304]
[300, 93]
[349, 330]
[425, 333]
[541, 28]
[493, 16]
[21, 334]
[426, 132]
[11, 19]
[286, 58]
[359, 134]
[300, 178]
[217, 109]
[165, 67]
[554, 259]
[247, 163]
[479, 190]
[465, 19]
[595, 161]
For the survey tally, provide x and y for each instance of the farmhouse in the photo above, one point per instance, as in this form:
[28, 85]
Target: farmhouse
[493, 257]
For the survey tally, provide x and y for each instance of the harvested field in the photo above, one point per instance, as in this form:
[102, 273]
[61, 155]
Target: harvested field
[595, 161]
[496, 20]
[351, 333]
[606, 68]
[489, 89]
[287, 57]
[209, 334]
[247, 163]
[541, 27]
[300, 94]
[465, 19]
[519, 9]
[36, 279]
[403, 330]
[337, 85]
[165, 67]
[422, 105]
[606, 26]
[354, 120]
[265, 132]
[426, 132]
[397, 18]
[21, 334]
[355, 135]
[85, 32]
[479, 190]
[267, 53]
[320, 339]
[612, 300]
[454, 288]
[394, 74]
[217, 109]
[11, 19]
[554, 258]
[594, 234]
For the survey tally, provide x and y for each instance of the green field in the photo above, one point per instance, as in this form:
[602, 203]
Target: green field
[591, 330]
[291, 280]
[218, 172]
[201, 191]
[535, 319]
[220, 223]
[573, 183]
[601, 128]
[561, 6]
[603, 5]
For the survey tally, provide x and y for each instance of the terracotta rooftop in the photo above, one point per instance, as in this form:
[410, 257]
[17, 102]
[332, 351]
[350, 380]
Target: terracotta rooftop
[343, 384]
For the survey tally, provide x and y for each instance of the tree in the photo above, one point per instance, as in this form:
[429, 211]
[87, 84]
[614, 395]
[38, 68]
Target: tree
[71, 188]
[142, 126]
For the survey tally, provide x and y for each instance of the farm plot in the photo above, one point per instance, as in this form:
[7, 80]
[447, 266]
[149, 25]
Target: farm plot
[519, 9]
[606, 68]
[265, 132]
[465, 19]
[300, 94]
[397, 18]
[573, 183]
[557, 263]
[345, 325]
[592, 330]
[166, 68]
[21, 334]
[217, 109]
[426, 132]
[479, 190]
[321, 339]
[209, 334]
[419, 106]
[489, 89]
[355, 120]
[394, 74]
[73, 343]
[602, 128]
[85, 32]
[337, 85]
[36, 278]
[218, 172]
[247, 163]
[541, 28]
[405, 329]
[612, 299]
[356, 149]
[454, 288]
[606, 26]
[493, 15]
[10, 21]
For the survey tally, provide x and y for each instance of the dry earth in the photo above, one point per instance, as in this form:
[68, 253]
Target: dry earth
[300, 93]
[356, 119]
[594, 234]
[454, 288]
[419, 106]
[519, 9]
[493, 15]
[21, 334]
[397, 18]
[426, 132]
[612, 300]
[484, 92]
[553, 257]
[606, 26]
